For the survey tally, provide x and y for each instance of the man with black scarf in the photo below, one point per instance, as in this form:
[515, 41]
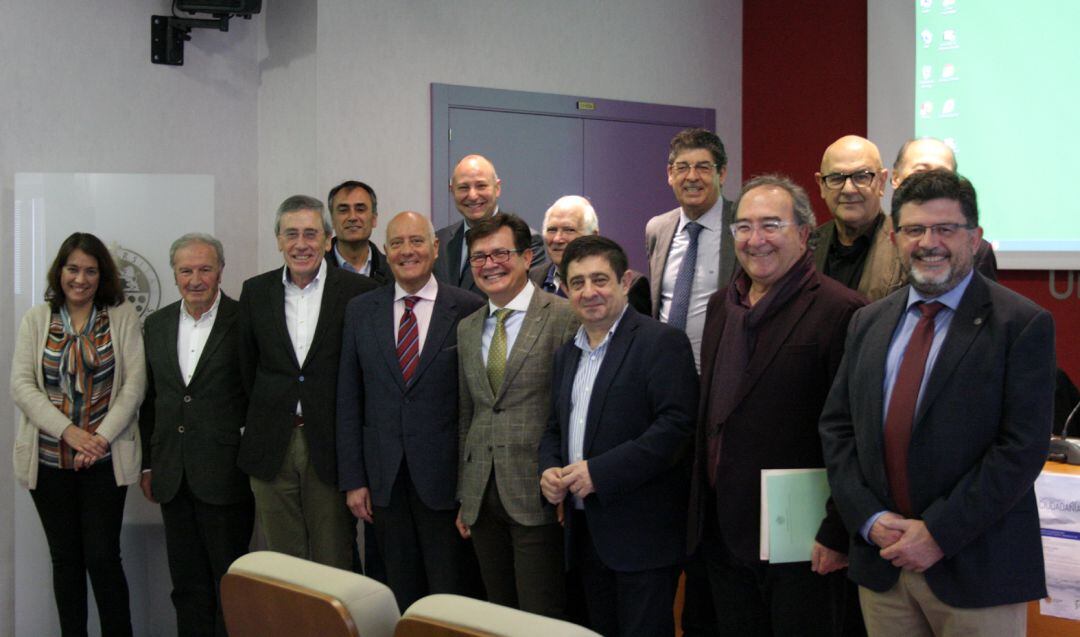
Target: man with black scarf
[773, 341]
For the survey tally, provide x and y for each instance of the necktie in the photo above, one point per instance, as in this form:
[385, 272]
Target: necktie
[905, 396]
[496, 363]
[684, 282]
[408, 340]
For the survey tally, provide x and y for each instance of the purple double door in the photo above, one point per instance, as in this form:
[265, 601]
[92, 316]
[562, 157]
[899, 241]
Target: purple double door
[546, 146]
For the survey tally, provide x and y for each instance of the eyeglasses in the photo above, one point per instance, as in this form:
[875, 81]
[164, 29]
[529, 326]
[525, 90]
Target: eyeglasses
[743, 230]
[497, 256]
[943, 230]
[703, 168]
[861, 179]
[309, 234]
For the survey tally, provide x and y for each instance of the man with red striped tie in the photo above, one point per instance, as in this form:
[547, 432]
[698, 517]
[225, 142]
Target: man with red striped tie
[397, 416]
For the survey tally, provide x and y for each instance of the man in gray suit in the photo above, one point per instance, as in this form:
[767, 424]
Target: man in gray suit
[694, 235]
[397, 415]
[475, 188]
[692, 255]
[506, 352]
[190, 423]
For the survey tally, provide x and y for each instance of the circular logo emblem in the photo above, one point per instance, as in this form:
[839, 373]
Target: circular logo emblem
[142, 287]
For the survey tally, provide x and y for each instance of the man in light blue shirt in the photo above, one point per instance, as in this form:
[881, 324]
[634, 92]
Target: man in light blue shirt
[615, 452]
[936, 428]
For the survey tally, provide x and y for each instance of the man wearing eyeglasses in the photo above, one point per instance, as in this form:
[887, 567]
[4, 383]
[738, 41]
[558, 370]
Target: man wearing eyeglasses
[290, 324]
[853, 247]
[936, 428]
[505, 354]
[689, 248]
[927, 153]
[475, 187]
[779, 327]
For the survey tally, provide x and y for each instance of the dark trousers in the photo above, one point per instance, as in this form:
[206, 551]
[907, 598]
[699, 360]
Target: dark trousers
[762, 599]
[202, 540]
[620, 602]
[522, 566]
[421, 548]
[82, 512]
[698, 616]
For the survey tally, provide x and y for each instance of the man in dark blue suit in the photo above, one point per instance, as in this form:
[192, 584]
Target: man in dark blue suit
[615, 453]
[936, 428]
[397, 416]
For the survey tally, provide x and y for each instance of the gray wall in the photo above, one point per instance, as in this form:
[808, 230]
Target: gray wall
[307, 94]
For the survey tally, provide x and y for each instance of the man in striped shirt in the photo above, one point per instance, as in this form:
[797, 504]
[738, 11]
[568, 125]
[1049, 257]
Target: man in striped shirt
[614, 454]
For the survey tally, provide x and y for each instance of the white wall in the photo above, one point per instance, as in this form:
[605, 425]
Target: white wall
[376, 61]
[307, 94]
[890, 85]
[78, 94]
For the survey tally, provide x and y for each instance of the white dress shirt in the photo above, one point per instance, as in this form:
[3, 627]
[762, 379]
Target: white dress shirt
[706, 272]
[520, 304]
[302, 307]
[422, 309]
[192, 336]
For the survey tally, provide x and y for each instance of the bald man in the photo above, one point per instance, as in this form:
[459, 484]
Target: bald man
[853, 247]
[927, 153]
[475, 187]
[567, 219]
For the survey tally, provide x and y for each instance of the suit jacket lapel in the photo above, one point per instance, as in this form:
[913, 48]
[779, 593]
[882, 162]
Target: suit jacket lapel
[385, 335]
[969, 319]
[876, 350]
[470, 351]
[222, 325]
[453, 253]
[327, 308]
[170, 337]
[566, 388]
[531, 326]
[277, 302]
[727, 245]
[613, 359]
[664, 235]
[442, 322]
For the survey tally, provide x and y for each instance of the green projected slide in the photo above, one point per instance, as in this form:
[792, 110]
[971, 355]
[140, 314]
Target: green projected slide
[999, 81]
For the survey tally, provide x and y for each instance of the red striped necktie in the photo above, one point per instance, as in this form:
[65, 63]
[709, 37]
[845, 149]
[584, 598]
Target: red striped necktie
[408, 341]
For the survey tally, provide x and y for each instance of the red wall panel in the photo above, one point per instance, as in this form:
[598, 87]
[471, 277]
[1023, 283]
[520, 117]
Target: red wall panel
[804, 85]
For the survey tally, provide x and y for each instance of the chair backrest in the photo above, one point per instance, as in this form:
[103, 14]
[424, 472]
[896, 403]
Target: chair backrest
[267, 594]
[456, 616]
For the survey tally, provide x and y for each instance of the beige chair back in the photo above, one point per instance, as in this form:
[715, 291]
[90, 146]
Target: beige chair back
[267, 594]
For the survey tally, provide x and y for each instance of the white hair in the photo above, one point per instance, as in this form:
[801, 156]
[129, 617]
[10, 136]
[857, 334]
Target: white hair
[590, 224]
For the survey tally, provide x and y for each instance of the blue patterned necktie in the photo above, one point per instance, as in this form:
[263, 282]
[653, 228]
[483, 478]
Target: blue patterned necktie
[684, 282]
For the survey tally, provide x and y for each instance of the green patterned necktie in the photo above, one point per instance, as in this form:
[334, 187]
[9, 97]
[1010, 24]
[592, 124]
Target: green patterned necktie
[496, 363]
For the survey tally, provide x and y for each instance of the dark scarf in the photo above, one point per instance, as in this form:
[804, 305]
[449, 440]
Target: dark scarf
[741, 325]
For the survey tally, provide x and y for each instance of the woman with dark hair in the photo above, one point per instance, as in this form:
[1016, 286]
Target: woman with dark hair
[78, 377]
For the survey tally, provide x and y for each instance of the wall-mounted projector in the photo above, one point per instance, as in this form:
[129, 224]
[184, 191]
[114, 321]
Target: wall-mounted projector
[169, 32]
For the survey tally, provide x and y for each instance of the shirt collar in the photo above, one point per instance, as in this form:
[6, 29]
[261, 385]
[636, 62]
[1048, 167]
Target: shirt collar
[345, 264]
[519, 303]
[207, 315]
[711, 220]
[950, 299]
[428, 292]
[552, 277]
[286, 280]
[581, 339]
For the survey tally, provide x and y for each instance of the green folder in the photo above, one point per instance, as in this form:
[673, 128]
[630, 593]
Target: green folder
[792, 508]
